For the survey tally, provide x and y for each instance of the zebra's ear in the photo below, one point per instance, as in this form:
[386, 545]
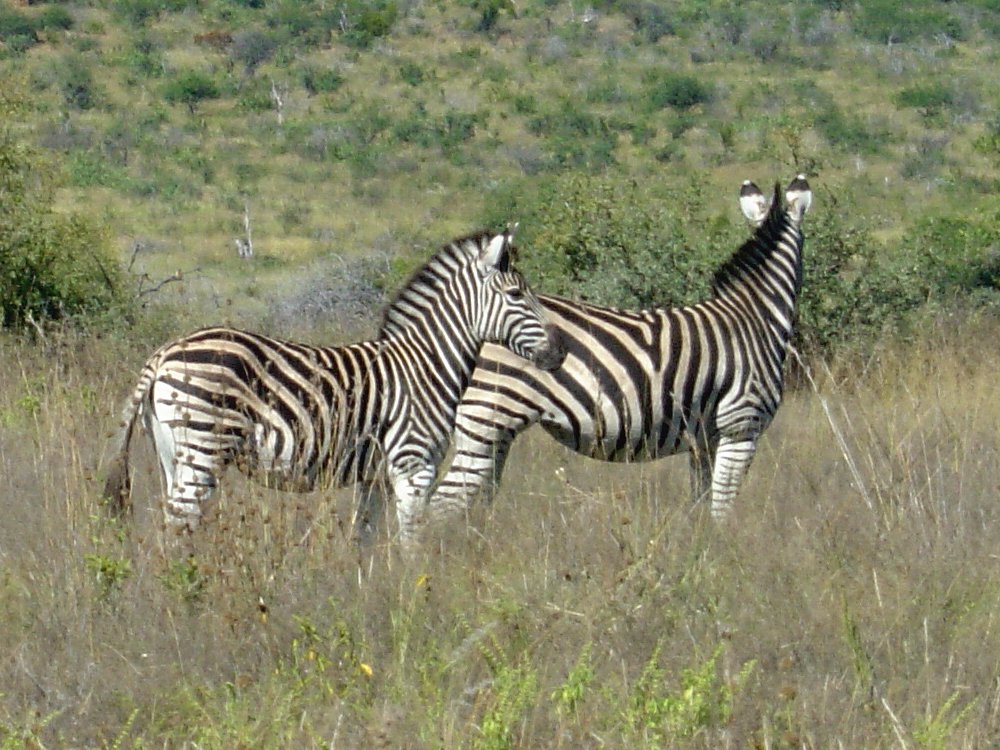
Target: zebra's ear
[798, 196]
[496, 254]
[753, 203]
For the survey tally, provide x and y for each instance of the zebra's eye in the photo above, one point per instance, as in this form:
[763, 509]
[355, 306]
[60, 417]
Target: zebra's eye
[515, 294]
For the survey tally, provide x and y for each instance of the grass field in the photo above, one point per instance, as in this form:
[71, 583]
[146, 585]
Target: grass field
[851, 602]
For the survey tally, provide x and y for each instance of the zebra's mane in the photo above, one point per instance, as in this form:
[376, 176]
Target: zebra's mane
[753, 253]
[426, 280]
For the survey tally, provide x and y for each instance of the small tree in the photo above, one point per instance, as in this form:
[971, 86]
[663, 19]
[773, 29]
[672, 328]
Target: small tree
[191, 88]
[55, 266]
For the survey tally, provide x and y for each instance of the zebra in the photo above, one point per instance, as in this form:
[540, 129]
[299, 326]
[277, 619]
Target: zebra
[636, 385]
[300, 417]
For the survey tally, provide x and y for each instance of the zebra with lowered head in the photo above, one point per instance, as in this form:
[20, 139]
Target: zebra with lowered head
[637, 385]
[298, 417]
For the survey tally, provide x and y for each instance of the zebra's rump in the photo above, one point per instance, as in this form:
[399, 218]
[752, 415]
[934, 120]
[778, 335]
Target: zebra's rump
[272, 407]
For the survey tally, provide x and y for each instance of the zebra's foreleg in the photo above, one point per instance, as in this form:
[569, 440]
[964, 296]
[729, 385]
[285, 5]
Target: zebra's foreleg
[411, 496]
[475, 472]
[732, 459]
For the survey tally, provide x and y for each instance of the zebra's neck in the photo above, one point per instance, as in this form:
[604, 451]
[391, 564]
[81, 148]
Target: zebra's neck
[439, 359]
[764, 276]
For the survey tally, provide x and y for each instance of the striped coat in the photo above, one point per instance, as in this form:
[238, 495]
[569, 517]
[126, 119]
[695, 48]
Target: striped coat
[300, 417]
[636, 385]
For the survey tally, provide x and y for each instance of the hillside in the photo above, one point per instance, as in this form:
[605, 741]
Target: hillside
[375, 130]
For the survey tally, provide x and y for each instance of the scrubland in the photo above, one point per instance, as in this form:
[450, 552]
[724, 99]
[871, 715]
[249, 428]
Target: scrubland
[851, 601]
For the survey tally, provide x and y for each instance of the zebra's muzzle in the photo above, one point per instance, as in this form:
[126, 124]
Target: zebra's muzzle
[551, 356]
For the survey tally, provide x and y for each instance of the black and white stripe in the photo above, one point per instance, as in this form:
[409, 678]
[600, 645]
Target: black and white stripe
[643, 384]
[298, 417]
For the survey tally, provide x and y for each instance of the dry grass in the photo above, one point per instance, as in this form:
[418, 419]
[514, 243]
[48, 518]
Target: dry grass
[588, 607]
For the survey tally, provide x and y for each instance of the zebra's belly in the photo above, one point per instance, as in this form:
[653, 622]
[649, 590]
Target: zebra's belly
[297, 466]
[615, 440]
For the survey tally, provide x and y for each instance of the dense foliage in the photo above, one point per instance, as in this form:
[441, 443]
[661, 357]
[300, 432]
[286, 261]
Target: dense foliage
[52, 265]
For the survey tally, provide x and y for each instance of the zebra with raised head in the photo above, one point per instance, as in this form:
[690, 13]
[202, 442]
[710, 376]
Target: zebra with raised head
[298, 417]
[637, 385]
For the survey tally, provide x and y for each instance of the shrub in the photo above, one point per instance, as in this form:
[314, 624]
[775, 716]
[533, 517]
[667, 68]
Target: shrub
[607, 241]
[89, 169]
[850, 133]
[138, 12]
[887, 21]
[364, 22]
[931, 99]
[144, 58]
[17, 30]
[55, 265]
[604, 240]
[411, 73]
[855, 289]
[55, 17]
[190, 88]
[252, 48]
[649, 19]
[665, 89]
[255, 96]
[489, 12]
[574, 136]
[77, 84]
[317, 80]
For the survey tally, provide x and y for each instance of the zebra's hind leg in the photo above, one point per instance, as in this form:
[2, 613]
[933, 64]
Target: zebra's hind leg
[189, 480]
[369, 511]
[732, 459]
[700, 458]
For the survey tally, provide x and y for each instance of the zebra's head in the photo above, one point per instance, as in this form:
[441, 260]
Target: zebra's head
[755, 206]
[509, 312]
[469, 293]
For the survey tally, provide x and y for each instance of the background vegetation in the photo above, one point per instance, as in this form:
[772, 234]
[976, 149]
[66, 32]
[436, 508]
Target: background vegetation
[356, 135]
[586, 608]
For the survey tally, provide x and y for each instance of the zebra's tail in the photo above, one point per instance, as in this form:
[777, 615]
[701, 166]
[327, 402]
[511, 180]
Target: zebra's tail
[118, 484]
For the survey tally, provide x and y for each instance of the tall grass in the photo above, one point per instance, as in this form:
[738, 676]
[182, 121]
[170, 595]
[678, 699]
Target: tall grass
[589, 606]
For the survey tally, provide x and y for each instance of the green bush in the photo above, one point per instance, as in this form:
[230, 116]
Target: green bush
[886, 21]
[489, 12]
[649, 19]
[144, 58]
[364, 22]
[17, 30]
[55, 266]
[606, 241]
[252, 49]
[931, 99]
[850, 133]
[191, 88]
[90, 169]
[318, 80]
[574, 136]
[55, 17]
[77, 83]
[411, 73]
[856, 289]
[666, 89]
